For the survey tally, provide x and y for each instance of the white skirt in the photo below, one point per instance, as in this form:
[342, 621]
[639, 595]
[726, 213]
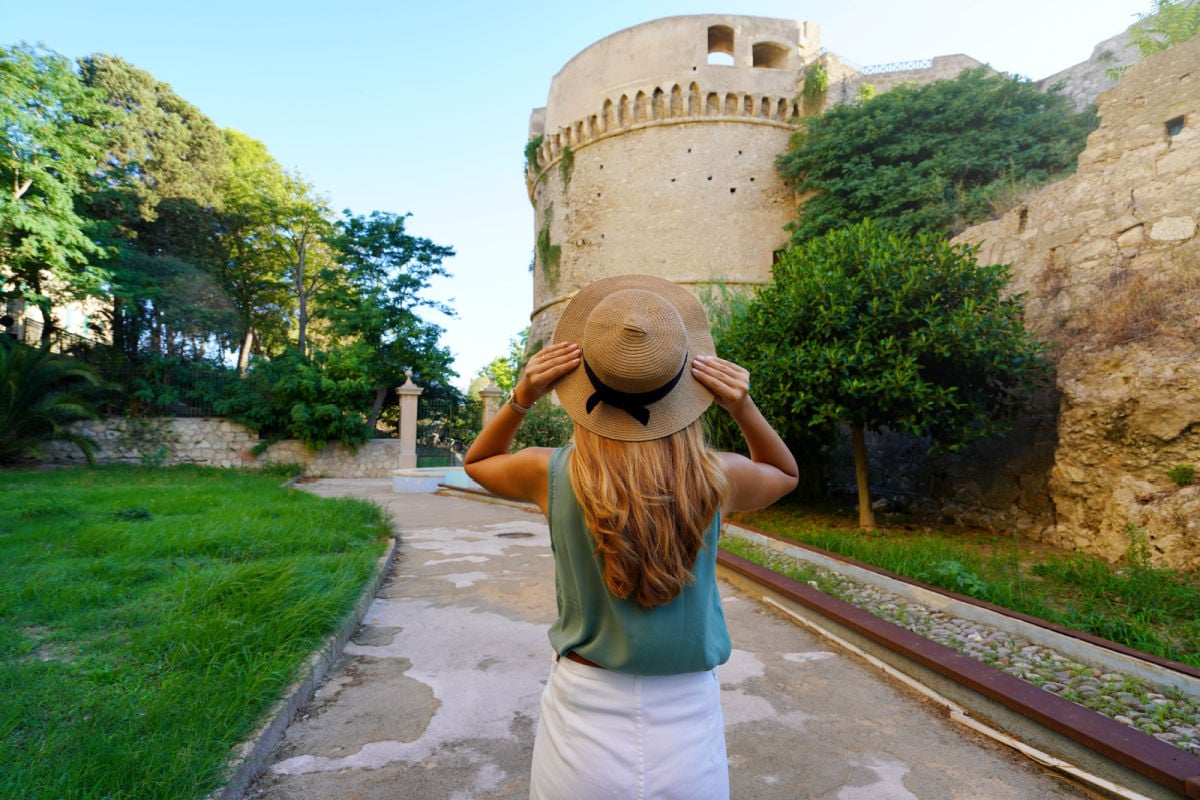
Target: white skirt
[616, 736]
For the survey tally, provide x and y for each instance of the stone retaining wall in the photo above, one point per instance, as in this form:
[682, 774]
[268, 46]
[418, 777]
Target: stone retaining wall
[217, 442]
[1107, 261]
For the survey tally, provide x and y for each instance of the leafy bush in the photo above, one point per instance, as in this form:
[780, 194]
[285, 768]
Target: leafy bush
[316, 400]
[546, 425]
[929, 158]
[41, 394]
[1182, 474]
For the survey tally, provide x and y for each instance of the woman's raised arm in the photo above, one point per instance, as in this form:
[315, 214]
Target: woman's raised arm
[771, 471]
[521, 475]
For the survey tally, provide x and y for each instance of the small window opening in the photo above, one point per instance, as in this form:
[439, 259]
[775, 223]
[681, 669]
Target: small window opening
[769, 55]
[720, 45]
[1022, 219]
[1175, 126]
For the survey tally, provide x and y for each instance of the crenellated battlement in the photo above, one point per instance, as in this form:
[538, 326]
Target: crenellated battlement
[661, 106]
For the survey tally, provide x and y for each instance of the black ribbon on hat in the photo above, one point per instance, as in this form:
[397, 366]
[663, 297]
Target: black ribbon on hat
[632, 403]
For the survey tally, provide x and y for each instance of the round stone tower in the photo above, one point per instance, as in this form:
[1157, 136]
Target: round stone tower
[655, 153]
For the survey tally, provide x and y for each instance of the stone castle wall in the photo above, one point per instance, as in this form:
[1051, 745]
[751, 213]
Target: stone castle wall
[1109, 261]
[885, 77]
[664, 163]
[654, 157]
[1084, 82]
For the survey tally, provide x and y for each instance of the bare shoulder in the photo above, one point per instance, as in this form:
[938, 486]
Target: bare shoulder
[752, 484]
[522, 475]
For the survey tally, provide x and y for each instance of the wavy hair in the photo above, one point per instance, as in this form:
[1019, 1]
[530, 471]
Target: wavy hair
[647, 505]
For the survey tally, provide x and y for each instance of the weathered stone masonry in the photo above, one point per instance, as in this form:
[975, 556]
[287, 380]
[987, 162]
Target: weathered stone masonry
[1109, 261]
[215, 442]
[654, 160]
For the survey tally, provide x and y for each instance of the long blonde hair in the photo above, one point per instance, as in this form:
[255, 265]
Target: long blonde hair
[647, 505]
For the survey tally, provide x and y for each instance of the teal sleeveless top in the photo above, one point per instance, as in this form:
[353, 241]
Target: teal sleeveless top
[687, 634]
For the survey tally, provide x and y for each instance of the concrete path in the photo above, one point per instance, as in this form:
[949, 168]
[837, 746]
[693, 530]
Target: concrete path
[436, 697]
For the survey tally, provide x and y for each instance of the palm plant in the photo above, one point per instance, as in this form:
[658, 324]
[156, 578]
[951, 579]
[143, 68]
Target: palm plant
[41, 393]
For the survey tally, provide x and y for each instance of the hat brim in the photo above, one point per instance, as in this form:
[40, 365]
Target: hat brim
[685, 403]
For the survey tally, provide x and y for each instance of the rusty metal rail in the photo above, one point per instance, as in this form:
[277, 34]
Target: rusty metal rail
[1115, 752]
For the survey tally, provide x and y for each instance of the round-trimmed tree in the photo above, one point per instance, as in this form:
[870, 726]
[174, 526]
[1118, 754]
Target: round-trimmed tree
[875, 330]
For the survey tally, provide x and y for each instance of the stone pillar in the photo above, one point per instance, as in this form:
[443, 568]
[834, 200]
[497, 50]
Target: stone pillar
[409, 393]
[493, 400]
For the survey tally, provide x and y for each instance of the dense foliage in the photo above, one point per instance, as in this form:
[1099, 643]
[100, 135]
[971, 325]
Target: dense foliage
[930, 158]
[49, 154]
[1170, 22]
[41, 393]
[314, 399]
[184, 244]
[874, 329]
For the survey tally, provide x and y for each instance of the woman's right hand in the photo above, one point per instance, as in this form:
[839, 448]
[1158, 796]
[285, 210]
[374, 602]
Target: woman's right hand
[770, 472]
[728, 382]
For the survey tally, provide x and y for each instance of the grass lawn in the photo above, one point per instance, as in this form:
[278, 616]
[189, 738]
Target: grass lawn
[150, 617]
[1153, 610]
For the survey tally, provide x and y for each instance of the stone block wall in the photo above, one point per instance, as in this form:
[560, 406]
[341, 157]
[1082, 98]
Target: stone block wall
[665, 163]
[216, 442]
[1109, 262]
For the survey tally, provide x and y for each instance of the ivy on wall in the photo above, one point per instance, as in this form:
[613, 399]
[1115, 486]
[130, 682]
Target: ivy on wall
[566, 165]
[531, 152]
[816, 84]
[548, 254]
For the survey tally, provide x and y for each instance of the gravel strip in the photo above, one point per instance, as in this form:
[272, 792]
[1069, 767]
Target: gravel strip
[1167, 714]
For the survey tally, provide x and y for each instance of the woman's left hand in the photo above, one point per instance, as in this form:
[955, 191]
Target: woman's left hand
[544, 369]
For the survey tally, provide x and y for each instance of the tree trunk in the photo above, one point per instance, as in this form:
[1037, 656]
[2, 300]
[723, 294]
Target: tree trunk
[376, 408]
[244, 351]
[866, 516]
[48, 325]
[301, 301]
[118, 325]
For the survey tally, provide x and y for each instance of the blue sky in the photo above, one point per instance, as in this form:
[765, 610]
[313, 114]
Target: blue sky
[423, 107]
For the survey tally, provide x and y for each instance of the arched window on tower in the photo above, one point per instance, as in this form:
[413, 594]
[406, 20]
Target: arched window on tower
[770, 55]
[720, 45]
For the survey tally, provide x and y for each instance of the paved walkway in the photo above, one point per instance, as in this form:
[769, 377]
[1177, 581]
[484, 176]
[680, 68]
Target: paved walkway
[436, 697]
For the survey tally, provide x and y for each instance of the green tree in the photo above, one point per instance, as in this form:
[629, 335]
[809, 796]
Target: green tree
[48, 155]
[251, 267]
[505, 370]
[158, 201]
[929, 158]
[387, 272]
[873, 330]
[158, 145]
[41, 394]
[1169, 23]
[303, 230]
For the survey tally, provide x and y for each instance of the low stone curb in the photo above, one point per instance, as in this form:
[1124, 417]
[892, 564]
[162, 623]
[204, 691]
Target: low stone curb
[253, 754]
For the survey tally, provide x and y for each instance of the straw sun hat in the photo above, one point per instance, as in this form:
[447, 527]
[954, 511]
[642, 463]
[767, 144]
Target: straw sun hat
[638, 335]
